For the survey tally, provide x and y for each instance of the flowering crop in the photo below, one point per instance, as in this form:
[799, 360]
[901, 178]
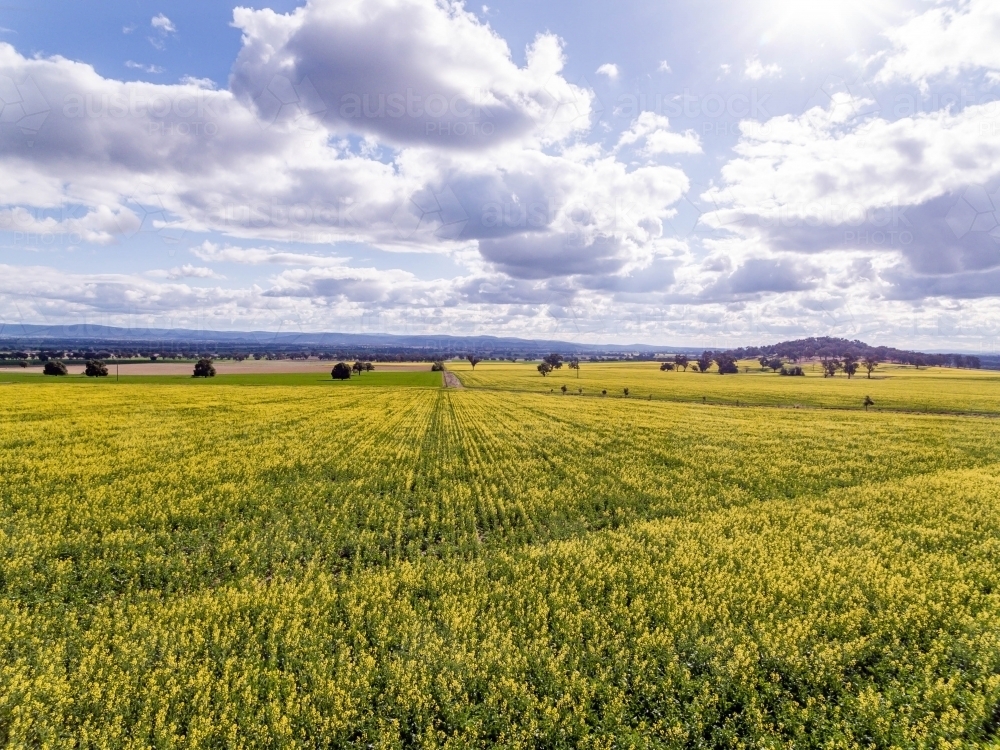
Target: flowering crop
[277, 566]
[897, 388]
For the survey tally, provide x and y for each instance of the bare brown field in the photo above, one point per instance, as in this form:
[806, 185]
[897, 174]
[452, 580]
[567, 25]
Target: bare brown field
[225, 367]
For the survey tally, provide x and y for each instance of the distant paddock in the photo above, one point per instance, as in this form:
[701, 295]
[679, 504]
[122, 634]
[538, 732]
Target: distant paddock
[228, 367]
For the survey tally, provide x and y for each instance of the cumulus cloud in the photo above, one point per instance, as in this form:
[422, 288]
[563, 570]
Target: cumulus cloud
[817, 169]
[407, 72]
[944, 40]
[655, 131]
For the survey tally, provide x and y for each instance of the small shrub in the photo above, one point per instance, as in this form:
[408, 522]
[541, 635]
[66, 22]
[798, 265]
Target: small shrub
[438, 366]
[625, 391]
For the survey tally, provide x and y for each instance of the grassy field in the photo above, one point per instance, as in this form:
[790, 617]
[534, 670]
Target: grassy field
[891, 387]
[190, 564]
[377, 378]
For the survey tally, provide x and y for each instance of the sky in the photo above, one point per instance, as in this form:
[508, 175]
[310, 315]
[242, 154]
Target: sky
[675, 173]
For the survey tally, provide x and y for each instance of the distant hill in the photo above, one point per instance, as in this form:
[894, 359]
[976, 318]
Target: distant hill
[73, 336]
[826, 346]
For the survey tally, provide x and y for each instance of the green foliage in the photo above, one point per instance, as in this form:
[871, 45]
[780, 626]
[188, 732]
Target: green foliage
[341, 371]
[204, 368]
[55, 367]
[95, 369]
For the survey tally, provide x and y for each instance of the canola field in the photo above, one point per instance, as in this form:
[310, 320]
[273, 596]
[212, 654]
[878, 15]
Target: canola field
[893, 387]
[399, 567]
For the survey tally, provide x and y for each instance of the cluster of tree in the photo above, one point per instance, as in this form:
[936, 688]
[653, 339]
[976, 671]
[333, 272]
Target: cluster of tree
[794, 370]
[849, 365]
[555, 361]
[724, 362]
[94, 368]
[829, 348]
[360, 367]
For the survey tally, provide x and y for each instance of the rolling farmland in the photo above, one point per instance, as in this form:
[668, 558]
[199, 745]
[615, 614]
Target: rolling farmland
[393, 564]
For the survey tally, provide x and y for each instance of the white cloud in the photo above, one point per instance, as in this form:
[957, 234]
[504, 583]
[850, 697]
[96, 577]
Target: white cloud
[212, 252]
[608, 69]
[187, 271]
[800, 164]
[659, 138]
[128, 28]
[140, 66]
[755, 69]
[944, 41]
[664, 67]
[163, 24]
[407, 72]
[538, 216]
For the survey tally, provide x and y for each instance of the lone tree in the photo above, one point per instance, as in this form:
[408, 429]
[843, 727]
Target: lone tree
[775, 364]
[830, 367]
[545, 368]
[96, 369]
[574, 364]
[870, 363]
[369, 367]
[563, 389]
[438, 366]
[704, 361]
[555, 361]
[681, 361]
[868, 402]
[727, 365]
[204, 368]
[473, 360]
[850, 365]
[625, 391]
[55, 367]
[358, 367]
[341, 371]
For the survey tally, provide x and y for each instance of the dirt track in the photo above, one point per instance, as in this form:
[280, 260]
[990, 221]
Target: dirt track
[246, 367]
[451, 380]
